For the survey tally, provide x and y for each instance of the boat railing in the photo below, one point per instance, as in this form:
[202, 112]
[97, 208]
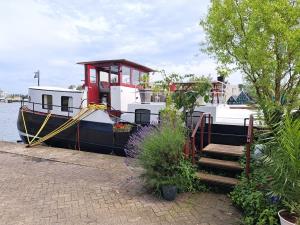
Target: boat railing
[202, 118]
[50, 107]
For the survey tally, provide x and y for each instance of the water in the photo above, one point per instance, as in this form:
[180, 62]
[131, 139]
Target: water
[8, 121]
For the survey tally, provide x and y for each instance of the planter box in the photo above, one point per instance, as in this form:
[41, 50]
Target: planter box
[121, 138]
[146, 95]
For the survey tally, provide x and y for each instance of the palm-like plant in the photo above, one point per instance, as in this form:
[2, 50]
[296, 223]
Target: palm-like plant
[283, 160]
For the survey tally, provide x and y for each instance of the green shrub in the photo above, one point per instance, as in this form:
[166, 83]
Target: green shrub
[253, 202]
[163, 161]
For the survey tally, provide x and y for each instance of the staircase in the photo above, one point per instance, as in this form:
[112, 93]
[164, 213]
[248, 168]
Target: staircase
[218, 157]
[218, 164]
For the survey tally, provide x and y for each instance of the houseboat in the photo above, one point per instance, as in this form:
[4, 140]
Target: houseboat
[112, 100]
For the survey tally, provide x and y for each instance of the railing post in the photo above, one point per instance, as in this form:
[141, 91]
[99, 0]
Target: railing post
[186, 149]
[202, 131]
[248, 146]
[209, 129]
[248, 160]
[193, 150]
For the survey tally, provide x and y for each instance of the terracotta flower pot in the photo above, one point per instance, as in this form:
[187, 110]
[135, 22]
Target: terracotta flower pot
[287, 218]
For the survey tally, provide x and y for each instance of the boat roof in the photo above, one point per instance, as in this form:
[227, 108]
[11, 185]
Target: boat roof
[48, 88]
[117, 61]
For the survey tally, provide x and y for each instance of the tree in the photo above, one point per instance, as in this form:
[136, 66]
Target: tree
[79, 87]
[187, 94]
[189, 88]
[262, 40]
[72, 86]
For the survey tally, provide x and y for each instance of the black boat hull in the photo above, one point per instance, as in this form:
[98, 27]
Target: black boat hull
[85, 135]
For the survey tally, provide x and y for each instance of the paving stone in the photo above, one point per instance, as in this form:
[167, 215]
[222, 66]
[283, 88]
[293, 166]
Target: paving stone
[44, 185]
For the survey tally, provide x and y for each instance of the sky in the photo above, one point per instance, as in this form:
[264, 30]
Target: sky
[53, 35]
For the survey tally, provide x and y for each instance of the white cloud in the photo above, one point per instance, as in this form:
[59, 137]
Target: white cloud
[137, 7]
[205, 67]
[52, 35]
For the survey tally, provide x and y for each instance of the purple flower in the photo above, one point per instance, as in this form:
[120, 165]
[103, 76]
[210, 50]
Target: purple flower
[132, 148]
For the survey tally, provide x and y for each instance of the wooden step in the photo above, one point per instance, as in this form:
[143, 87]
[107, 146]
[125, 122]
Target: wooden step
[230, 150]
[231, 165]
[210, 178]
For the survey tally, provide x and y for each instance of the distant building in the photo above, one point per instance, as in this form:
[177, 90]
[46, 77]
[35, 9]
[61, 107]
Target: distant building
[218, 92]
[231, 90]
[242, 99]
[3, 94]
[221, 92]
[232, 100]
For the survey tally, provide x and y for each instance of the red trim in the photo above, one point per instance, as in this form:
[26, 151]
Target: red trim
[119, 61]
[93, 89]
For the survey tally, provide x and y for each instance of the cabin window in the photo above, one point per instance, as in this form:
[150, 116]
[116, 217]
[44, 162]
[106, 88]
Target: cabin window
[104, 81]
[125, 75]
[135, 77]
[114, 78]
[114, 69]
[104, 76]
[66, 104]
[47, 102]
[93, 78]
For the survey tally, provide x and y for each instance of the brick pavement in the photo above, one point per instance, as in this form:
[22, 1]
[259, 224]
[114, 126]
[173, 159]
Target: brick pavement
[44, 185]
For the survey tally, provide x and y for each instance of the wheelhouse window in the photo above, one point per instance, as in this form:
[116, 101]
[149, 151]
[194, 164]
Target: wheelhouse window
[125, 75]
[114, 74]
[93, 78]
[114, 78]
[104, 81]
[104, 76]
[47, 102]
[66, 104]
[135, 77]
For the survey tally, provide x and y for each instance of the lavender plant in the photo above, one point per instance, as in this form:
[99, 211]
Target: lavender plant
[132, 148]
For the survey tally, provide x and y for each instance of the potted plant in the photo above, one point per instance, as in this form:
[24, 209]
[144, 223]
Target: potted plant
[156, 91]
[169, 192]
[287, 218]
[161, 156]
[290, 216]
[146, 92]
[282, 163]
[222, 72]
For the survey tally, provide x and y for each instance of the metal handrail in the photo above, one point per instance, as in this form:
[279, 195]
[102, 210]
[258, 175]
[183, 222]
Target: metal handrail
[52, 106]
[248, 145]
[201, 121]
